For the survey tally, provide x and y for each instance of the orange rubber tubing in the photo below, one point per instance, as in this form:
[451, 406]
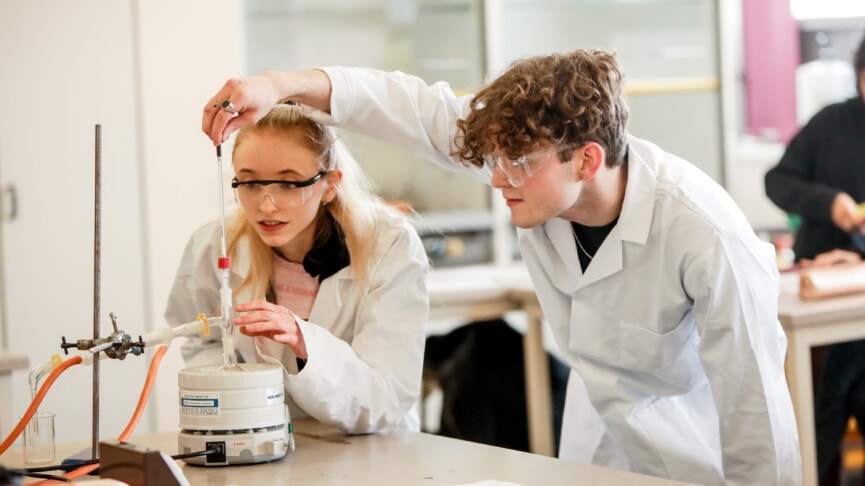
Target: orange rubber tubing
[145, 393]
[37, 400]
[136, 416]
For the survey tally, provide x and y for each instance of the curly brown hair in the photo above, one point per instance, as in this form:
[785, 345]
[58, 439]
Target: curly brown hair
[563, 98]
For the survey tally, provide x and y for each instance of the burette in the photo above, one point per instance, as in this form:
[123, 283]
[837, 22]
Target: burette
[224, 264]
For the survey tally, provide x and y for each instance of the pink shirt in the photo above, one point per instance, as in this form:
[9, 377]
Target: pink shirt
[294, 288]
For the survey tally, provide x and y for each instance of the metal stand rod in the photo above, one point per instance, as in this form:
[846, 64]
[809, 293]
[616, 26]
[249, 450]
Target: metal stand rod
[97, 251]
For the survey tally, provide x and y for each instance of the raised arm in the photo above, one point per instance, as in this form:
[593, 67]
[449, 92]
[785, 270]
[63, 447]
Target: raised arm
[252, 97]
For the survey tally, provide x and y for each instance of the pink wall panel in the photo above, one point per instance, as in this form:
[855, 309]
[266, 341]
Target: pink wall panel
[771, 39]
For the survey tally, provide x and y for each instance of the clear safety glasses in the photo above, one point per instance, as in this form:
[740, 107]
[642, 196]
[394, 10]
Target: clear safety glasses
[283, 194]
[518, 171]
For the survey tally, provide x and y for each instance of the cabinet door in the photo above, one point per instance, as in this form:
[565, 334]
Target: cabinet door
[68, 66]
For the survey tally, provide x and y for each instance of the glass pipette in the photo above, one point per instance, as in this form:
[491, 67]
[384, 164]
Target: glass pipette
[229, 358]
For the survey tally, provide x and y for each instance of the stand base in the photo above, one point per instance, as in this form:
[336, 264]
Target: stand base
[235, 447]
[132, 464]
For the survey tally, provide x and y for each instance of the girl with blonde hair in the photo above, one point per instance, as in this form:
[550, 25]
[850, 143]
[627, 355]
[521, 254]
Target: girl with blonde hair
[328, 280]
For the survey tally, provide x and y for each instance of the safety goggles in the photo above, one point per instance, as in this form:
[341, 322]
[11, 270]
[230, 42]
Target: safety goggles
[518, 171]
[283, 194]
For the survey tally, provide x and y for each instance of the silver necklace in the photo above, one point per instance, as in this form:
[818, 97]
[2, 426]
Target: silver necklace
[580, 245]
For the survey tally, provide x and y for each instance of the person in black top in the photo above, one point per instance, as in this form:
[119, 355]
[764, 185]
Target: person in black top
[821, 178]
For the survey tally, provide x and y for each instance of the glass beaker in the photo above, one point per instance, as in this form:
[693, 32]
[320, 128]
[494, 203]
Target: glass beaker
[39, 439]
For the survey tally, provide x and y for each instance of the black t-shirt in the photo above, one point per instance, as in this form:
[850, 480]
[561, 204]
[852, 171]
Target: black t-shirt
[589, 239]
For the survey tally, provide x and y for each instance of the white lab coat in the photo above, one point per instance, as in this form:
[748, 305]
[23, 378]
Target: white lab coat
[365, 344]
[672, 334]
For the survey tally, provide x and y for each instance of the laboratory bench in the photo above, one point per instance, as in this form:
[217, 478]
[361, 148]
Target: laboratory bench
[325, 456]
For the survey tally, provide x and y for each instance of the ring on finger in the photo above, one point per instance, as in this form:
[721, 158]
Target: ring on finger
[228, 107]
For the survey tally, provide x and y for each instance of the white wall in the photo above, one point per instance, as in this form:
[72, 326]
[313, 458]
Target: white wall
[144, 70]
[189, 50]
[65, 69]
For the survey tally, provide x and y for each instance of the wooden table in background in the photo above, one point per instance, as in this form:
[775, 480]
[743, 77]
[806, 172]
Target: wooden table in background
[481, 292]
[808, 324]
